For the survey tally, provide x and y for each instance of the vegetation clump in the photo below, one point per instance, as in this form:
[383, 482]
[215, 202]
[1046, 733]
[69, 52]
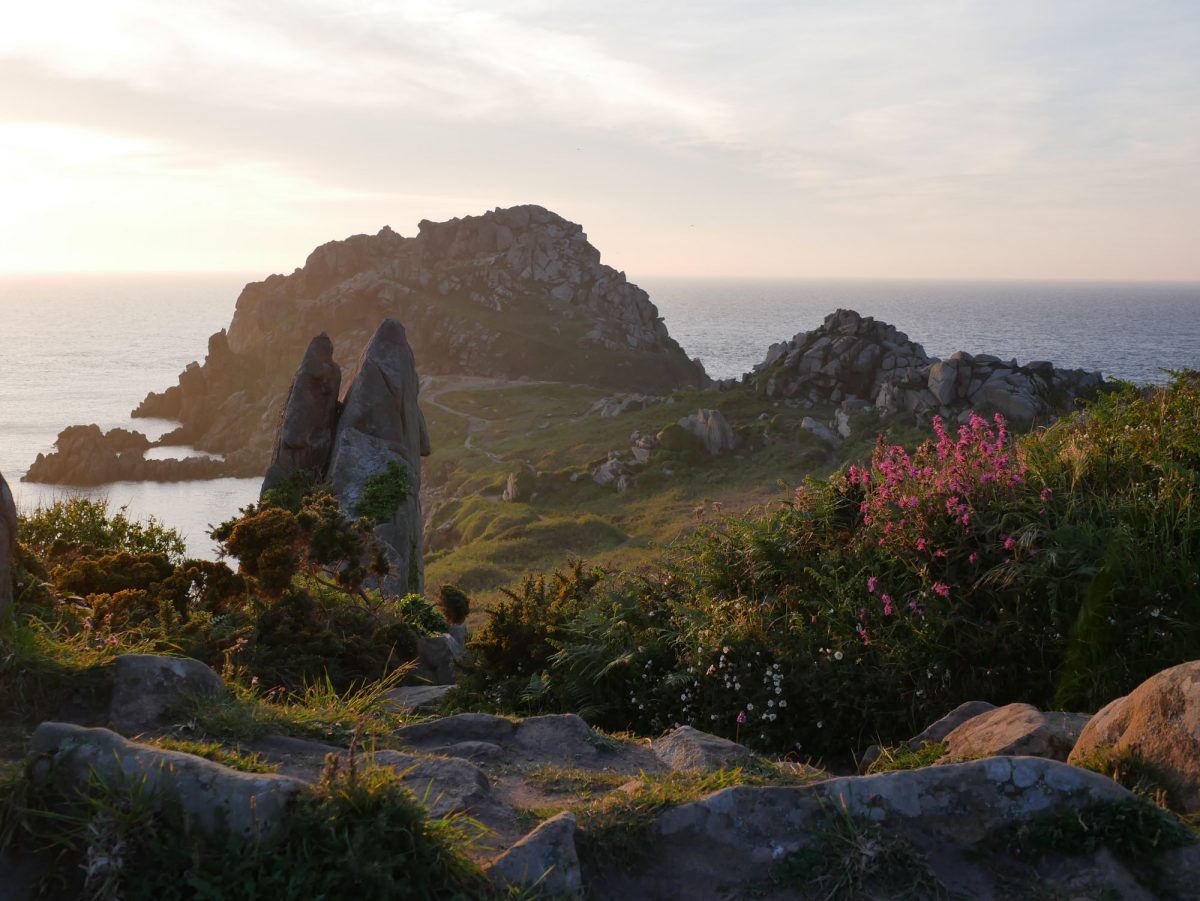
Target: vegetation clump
[383, 493]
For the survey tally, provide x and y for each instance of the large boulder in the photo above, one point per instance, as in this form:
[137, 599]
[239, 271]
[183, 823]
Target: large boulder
[305, 436]
[445, 785]
[211, 796]
[8, 545]
[1159, 724]
[1016, 730]
[147, 686]
[545, 861]
[685, 748]
[437, 654]
[381, 427]
[939, 729]
[712, 429]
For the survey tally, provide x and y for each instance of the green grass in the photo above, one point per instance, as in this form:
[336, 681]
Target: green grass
[903, 757]
[564, 780]
[234, 757]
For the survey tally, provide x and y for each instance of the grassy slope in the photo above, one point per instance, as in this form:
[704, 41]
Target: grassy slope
[545, 425]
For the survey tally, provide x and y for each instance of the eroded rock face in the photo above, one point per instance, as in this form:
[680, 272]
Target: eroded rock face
[546, 859]
[563, 316]
[852, 357]
[146, 686]
[1159, 722]
[1016, 729]
[210, 795]
[305, 435]
[8, 545]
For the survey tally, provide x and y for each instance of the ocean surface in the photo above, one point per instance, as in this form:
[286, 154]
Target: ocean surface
[80, 349]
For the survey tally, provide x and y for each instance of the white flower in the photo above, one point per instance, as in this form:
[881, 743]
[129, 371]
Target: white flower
[783, 703]
[820, 724]
[770, 703]
[749, 706]
[725, 650]
[778, 690]
[837, 655]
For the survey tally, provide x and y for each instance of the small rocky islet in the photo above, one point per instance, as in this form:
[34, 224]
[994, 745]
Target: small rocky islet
[991, 801]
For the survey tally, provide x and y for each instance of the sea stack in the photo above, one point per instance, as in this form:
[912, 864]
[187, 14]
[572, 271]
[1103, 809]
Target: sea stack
[346, 443]
[8, 544]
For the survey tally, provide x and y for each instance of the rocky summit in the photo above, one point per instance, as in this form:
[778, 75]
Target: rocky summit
[513, 293]
[857, 361]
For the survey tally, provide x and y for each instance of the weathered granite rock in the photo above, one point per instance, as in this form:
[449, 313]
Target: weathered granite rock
[821, 430]
[939, 729]
[685, 748]
[520, 485]
[418, 698]
[1016, 730]
[546, 859]
[732, 838]
[851, 356]
[1159, 722]
[437, 654]
[712, 429]
[380, 424]
[210, 795]
[614, 472]
[146, 686]
[446, 284]
[305, 436]
[444, 785]
[8, 545]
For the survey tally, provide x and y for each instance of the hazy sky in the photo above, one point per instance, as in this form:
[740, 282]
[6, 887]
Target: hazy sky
[876, 138]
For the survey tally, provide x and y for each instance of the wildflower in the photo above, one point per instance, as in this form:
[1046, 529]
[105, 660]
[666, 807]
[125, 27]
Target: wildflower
[1045, 495]
[871, 583]
[837, 655]
[783, 703]
[741, 718]
[749, 706]
[1009, 543]
[941, 588]
[974, 557]
[920, 544]
[888, 610]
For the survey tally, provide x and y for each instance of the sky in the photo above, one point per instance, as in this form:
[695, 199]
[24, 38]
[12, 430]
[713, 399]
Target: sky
[812, 138]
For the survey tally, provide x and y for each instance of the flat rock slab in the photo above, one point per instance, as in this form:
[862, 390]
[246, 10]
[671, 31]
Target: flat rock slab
[209, 794]
[714, 847]
[1159, 721]
[1016, 729]
[418, 698]
[444, 785]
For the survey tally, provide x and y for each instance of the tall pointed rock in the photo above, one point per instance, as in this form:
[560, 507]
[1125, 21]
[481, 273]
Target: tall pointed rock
[305, 436]
[380, 423]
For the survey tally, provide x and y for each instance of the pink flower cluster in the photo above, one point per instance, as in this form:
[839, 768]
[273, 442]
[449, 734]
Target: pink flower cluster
[922, 507]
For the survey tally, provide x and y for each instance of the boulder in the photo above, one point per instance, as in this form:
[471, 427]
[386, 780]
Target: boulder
[712, 430]
[8, 546]
[544, 861]
[437, 654]
[445, 785]
[939, 729]
[1016, 730]
[685, 748]
[305, 435]
[418, 698]
[821, 430]
[147, 686]
[211, 796]
[520, 485]
[1159, 723]
[381, 424]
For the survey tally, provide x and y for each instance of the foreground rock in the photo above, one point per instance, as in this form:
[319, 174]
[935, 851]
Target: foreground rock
[210, 796]
[377, 433]
[1016, 730]
[545, 859]
[725, 845]
[1158, 723]
[853, 358]
[85, 455]
[511, 293]
[8, 545]
[147, 686]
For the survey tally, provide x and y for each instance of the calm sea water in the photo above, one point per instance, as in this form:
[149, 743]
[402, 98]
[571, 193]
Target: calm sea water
[79, 349]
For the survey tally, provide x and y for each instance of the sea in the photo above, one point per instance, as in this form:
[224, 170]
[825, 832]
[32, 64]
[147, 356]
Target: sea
[87, 348]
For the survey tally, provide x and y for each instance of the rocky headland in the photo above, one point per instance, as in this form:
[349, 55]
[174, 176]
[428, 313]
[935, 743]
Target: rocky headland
[857, 361]
[513, 293]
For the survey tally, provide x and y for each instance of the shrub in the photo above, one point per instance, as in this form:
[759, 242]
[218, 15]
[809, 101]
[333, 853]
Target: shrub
[90, 527]
[383, 493]
[455, 604]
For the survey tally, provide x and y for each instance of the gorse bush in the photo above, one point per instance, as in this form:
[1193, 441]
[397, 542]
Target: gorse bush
[83, 525]
[1060, 569]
